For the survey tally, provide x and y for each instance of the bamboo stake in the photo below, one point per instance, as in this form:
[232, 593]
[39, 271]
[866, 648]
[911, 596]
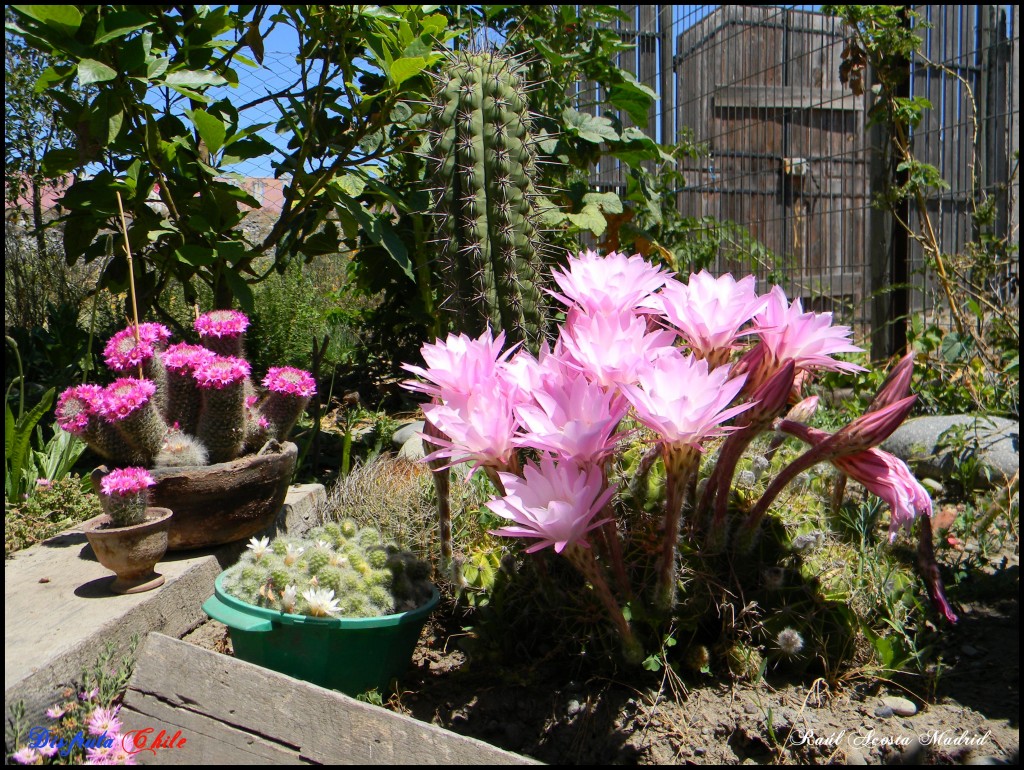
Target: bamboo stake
[131, 274]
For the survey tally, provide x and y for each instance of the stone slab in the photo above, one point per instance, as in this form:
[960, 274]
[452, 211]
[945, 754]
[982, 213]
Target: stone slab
[231, 712]
[59, 614]
[997, 441]
[405, 432]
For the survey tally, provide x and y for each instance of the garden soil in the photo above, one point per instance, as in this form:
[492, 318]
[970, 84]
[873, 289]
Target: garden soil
[554, 711]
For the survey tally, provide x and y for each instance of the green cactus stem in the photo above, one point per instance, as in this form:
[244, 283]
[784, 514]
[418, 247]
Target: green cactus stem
[484, 161]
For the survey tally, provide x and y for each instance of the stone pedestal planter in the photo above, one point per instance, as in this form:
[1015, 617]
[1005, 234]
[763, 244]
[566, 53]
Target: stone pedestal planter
[131, 552]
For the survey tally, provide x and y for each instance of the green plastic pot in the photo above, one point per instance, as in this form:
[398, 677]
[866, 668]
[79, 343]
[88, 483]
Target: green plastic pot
[351, 655]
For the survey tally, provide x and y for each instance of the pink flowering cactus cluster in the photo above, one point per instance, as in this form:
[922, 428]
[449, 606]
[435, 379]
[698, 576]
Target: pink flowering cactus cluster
[184, 404]
[691, 362]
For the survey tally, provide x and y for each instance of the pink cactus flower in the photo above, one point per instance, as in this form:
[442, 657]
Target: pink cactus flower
[77, 406]
[288, 379]
[104, 720]
[612, 348]
[557, 503]
[126, 481]
[685, 401]
[573, 418]
[124, 352]
[26, 756]
[608, 284]
[786, 333]
[888, 477]
[458, 364]
[184, 358]
[709, 312]
[55, 712]
[221, 323]
[220, 372]
[125, 395]
[480, 426]
[155, 334]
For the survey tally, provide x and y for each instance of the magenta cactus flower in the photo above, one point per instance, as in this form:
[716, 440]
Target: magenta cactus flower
[609, 284]
[290, 381]
[127, 404]
[221, 323]
[220, 372]
[223, 331]
[555, 502]
[184, 358]
[124, 352]
[78, 408]
[124, 495]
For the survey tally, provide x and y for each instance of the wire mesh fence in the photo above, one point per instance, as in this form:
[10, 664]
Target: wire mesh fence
[789, 154]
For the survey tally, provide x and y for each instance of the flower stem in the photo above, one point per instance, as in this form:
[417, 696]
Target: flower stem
[583, 560]
[680, 465]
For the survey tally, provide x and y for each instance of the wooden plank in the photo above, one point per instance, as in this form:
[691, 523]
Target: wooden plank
[786, 98]
[212, 698]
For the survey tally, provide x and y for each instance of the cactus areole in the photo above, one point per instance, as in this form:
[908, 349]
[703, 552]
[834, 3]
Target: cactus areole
[483, 162]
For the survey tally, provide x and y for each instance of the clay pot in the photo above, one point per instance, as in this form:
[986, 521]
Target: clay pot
[225, 502]
[132, 552]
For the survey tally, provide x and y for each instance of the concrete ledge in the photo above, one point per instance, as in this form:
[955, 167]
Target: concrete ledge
[232, 712]
[59, 614]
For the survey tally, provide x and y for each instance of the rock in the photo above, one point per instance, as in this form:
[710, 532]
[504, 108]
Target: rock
[883, 711]
[901, 707]
[573, 708]
[917, 442]
[403, 434]
[412, 449]
[854, 757]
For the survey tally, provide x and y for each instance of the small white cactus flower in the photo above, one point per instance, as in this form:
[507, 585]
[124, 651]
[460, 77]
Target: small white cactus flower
[322, 544]
[790, 642]
[322, 603]
[338, 560]
[288, 599]
[292, 554]
[258, 547]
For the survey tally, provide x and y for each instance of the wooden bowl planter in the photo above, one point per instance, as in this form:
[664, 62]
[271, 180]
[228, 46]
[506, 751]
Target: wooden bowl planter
[351, 655]
[225, 502]
[131, 552]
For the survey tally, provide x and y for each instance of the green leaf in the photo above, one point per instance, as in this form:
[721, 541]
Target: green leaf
[350, 184]
[92, 71]
[609, 202]
[245, 149]
[590, 218]
[56, 163]
[254, 40]
[320, 243]
[633, 101]
[589, 127]
[407, 67]
[157, 67]
[64, 18]
[197, 256]
[119, 24]
[241, 290]
[211, 129]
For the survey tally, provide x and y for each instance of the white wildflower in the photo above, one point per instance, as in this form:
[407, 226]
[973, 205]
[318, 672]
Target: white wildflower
[258, 547]
[322, 603]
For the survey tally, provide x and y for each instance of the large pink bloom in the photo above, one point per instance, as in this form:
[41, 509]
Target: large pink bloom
[124, 482]
[221, 323]
[682, 399]
[123, 352]
[607, 284]
[709, 311]
[125, 395]
[808, 339]
[573, 418]
[612, 348]
[557, 503]
[479, 425]
[458, 364]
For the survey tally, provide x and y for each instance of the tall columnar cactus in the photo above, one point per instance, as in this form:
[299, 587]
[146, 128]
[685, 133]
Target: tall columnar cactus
[483, 162]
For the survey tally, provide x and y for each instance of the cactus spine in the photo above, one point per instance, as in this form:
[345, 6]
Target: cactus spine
[484, 162]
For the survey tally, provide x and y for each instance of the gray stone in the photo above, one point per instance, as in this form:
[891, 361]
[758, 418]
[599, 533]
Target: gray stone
[412, 449]
[403, 434]
[901, 707]
[917, 442]
[854, 756]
